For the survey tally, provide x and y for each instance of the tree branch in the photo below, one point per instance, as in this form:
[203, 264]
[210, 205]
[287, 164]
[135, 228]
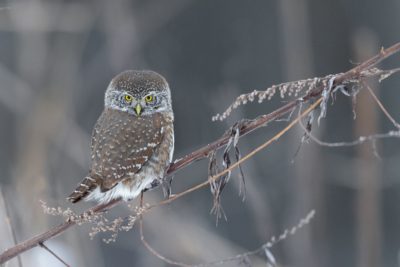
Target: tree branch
[245, 128]
[54, 254]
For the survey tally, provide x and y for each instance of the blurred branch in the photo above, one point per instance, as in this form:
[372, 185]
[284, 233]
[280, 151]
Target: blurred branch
[8, 222]
[381, 106]
[149, 247]
[53, 253]
[245, 128]
[361, 139]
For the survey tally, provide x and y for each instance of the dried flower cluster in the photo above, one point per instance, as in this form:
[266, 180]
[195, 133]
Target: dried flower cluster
[285, 89]
[303, 87]
[101, 224]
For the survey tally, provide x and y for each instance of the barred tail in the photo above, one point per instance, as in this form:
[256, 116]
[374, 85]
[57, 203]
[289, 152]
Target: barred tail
[87, 185]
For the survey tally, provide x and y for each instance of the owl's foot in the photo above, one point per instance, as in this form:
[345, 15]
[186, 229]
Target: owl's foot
[165, 186]
[151, 186]
[171, 196]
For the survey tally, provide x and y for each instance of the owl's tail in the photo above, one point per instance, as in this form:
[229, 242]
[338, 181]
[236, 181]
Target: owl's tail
[87, 185]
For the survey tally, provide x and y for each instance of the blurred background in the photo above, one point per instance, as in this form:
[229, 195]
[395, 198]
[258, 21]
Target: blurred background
[57, 58]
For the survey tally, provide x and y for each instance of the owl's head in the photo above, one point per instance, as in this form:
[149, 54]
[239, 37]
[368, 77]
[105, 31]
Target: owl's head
[139, 93]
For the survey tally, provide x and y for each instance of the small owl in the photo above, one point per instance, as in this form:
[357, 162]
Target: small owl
[133, 140]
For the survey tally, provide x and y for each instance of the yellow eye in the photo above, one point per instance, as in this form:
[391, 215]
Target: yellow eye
[148, 98]
[128, 98]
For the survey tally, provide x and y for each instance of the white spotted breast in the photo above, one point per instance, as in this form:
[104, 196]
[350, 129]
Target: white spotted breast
[123, 143]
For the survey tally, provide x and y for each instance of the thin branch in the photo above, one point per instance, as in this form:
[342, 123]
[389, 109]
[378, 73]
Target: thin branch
[381, 106]
[251, 125]
[155, 252]
[8, 221]
[54, 254]
[360, 140]
[149, 247]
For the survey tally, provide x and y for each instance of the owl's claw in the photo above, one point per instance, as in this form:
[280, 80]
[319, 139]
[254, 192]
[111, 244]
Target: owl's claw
[171, 196]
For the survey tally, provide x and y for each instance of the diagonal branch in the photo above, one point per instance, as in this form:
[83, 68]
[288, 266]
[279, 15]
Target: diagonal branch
[381, 106]
[8, 221]
[54, 254]
[249, 126]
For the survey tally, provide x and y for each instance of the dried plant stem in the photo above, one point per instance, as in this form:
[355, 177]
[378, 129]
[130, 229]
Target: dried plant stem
[352, 74]
[361, 139]
[54, 254]
[149, 247]
[155, 252]
[381, 106]
[9, 225]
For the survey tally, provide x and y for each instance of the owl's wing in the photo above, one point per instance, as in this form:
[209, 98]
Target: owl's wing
[96, 129]
[91, 181]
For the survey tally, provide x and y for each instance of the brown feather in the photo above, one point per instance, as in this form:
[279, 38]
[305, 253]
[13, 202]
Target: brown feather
[120, 148]
[87, 185]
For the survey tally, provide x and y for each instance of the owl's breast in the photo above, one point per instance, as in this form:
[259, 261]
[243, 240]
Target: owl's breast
[123, 144]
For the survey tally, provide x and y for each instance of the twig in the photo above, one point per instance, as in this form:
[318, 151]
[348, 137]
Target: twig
[361, 139]
[149, 247]
[381, 106]
[201, 153]
[155, 252]
[54, 254]
[8, 220]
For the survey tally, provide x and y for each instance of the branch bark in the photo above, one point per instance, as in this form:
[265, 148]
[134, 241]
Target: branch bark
[203, 152]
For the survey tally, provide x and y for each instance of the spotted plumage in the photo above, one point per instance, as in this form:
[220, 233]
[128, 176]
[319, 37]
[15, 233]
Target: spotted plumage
[133, 139]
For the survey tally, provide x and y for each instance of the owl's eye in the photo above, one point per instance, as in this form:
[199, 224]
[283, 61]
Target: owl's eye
[128, 98]
[149, 98]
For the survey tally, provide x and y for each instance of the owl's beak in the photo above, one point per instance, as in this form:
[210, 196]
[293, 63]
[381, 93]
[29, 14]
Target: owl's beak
[138, 109]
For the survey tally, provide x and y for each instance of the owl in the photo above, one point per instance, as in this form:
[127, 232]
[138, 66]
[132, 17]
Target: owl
[133, 140]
